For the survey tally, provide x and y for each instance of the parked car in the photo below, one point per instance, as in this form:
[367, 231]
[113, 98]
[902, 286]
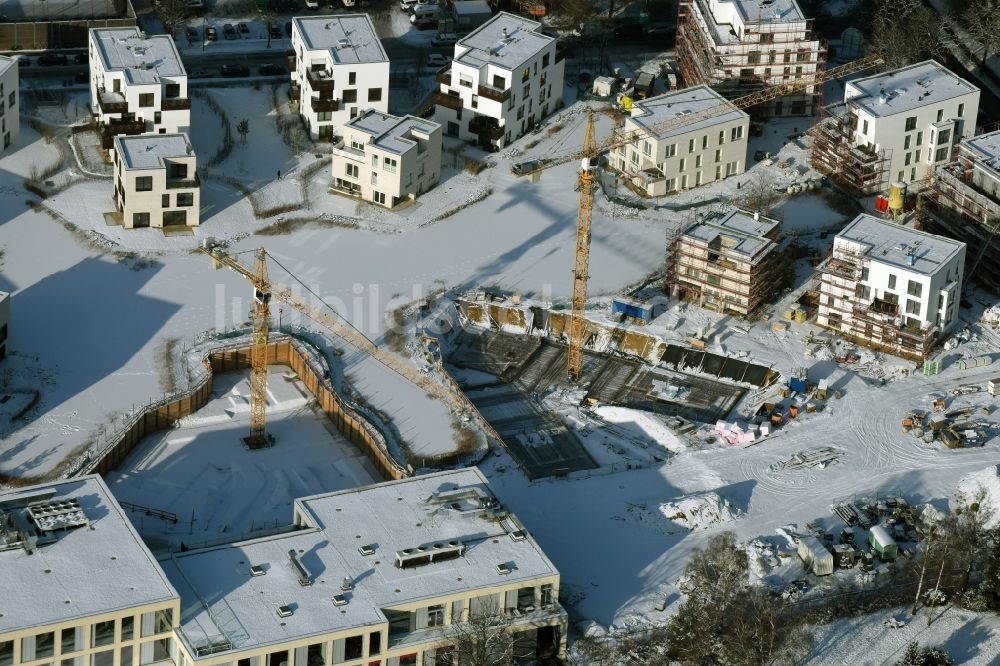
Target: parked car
[445, 39]
[229, 32]
[274, 31]
[49, 59]
[425, 23]
[81, 77]
[312, 4]
[192, 33]
[424, 8]
[288, 28]
[407, 5]
[23, 61]
[243, 28]
[437, 60]
[211, 34]
[232, 71]
[423, 15]
[348, 4]
[269, 69]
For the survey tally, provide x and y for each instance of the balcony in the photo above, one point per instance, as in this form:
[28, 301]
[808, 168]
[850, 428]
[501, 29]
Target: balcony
[453, 102]
[291, 60]
[120, 127]
[484, 125]
[176, 104]
[294, 92]
[347, 152]
[183, 183]
[320, 81]
[495, 94]
[111, 102]
[320, 105]
[444, 75]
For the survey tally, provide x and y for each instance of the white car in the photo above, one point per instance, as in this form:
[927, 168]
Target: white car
[312, 4]
[437, 60]
[406, 5]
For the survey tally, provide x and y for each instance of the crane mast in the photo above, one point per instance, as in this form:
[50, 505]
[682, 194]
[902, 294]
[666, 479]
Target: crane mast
[581, 263]
[261, 317]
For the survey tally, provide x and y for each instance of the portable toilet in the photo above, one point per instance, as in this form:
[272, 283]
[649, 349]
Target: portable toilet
[883, 544]
[815, 556]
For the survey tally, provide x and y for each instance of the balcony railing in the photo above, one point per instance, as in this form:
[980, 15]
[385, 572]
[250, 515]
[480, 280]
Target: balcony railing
[484, 125]
[176, 104]
[120, 127]
[319, 83]
[183, 183]
[495, 94]
[111, 105]
[324, 105]
[448, 101]
[291, 59]
[444, 75]
[294, 92]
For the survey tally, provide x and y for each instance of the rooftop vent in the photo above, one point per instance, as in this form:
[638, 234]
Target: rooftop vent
[347, 584]
[504, 568]
[339, 600]
[257, 570]
[284, 611]
[504, 34]
[305, 578]
[436, 552]
[343, 43]
[58, 515]
[518, 535]
[367, 550]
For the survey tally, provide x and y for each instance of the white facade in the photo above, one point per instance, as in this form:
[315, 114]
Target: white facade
[4, 323]
[891, 285]
[674, 157]
[913, 116]
[156, 181]
[10, 103]
[386, 159]
[339, 70]
[505, 77]
[138, 83]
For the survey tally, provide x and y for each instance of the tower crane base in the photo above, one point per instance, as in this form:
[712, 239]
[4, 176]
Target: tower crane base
[259, 442]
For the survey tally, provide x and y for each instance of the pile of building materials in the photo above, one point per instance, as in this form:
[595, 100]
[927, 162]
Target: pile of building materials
[955, 428]
[809, 459]
[734, 434]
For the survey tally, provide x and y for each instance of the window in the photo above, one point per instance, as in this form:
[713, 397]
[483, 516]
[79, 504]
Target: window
[125, 657]
[154, 651]
[671, 184]
[374, 94]
[102, 633]
[146, 99]
[914, 288]
[718, 172]
[864, 127]
[353, 646]
[718, 155]
[144, 184]
[157, 622]
[389, 165]
[12, 99]
[737, 133]
[682, 165]
[647, 148]
[435, 616]
[731, 168]
[378, 197]
[753, 57]
[940, 301]
[634, 158]
[912, 307]
[961, 110]
[164, 201]
[892, 281]
[911, 124]
[178, 171]
[943, 137]
[545, 60]
[408, 659]
[465, 80]
[71, 639]
[704, 141]
[374, 178]
[697, 162]
[940, 115]
[906, 142]
[690, 145]
[864, 273]
[185, 199]
[352, 78]
[351, 170]
[374, 643]
[722, 137]
[671, 150]
[106, 658]
[906, 161]
[863, 292]
[525, 73]
[920, 138]
[546, 595]
[38, 646]
[941, 155]
[475, 101]
[350, 96]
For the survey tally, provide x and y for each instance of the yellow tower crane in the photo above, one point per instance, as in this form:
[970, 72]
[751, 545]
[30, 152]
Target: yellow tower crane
[592, 149]
[261, 316]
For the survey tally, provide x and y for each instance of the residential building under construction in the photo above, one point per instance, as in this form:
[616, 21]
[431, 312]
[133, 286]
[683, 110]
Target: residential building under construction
[963, 202]
[891, 287]
[895, 126]
[743, 46]
[727, 262]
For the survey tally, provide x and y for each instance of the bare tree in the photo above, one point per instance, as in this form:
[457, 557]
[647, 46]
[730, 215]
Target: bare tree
[174, 15]
[904, 32]
[762, 631]
[243, 127]
[758, 195]
[488, 638]
[982, 21]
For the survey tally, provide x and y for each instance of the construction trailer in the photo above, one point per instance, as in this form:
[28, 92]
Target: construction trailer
[882, 543]
[817, 558]
[963, 202]
[745, 46]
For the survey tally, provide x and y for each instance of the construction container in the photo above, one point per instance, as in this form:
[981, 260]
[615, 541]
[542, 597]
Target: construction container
[844, 555]
[897, 197]
[644, 85]
[632, 308]
[815, 556]
[882, 543]
[975, 362]
[932, 368]
[603, 86]
[993, 386]
[800, 316]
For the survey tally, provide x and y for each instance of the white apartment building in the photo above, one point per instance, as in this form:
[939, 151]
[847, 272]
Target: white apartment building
[896, 127]
[10, 103]
[339, 69]
[4, 323]
[742, 46]
[891, 287]
[156, 181]
[79, 587]
[138, 84]
[675, 155]
[505, 77]
[387, 159]
[384, 574]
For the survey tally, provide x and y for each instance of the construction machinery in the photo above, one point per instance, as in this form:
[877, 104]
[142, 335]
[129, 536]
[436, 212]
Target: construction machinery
[264, 290]
[591, 151]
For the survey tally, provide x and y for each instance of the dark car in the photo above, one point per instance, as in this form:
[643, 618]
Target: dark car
[80, 58]
[270, 69]
[192, 33]
[274, 31]
[211, 34]
[288, 28]
[425, 23]
[229, 32]
[244, 28]
[81, 77]
[232, 71]
[49, 59]
[23, 61]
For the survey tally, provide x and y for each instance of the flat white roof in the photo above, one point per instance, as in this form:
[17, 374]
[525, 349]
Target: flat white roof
[986, 147]
[390, 517]
[765, 11]
[98, 567]
[489, 44]
[389, 132]
[6, 62]
[652, 111]
[147, 151]
[350, 38]
[890, 243]
[740, 232]
[143, 59]
[907, 88]
[472, 7]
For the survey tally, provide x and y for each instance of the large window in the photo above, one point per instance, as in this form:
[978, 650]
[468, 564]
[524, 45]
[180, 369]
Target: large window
[912, 307]
[39, 646]
[546, 595]
[6, 653]
[71, 639]
[144, 184]
[140, 219]
[914, 288]
[102, 633]
[353, 647]
[185, 199]
[672, 150]
[351, 170]
[146, 100]
[389, 165]
[374, 94]
[126, 656]
[911, 124]
[374, 643]
[157, 622]
[944, 136]
[350, 96]
[128, 628]
[435, 616]
[105, 658]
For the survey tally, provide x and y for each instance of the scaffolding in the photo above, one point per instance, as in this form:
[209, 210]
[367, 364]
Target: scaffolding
[769, 53]
[861, 169]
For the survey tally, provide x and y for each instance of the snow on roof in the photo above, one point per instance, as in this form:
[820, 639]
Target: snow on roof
[739, 231]
[408, 514]
[889, 243]
[6, 62]
[99, 567]
[652, 111]
[985, 148]
[389, 132]
[147, 151]
[765, 11]
[506, 40]
[906, 89]
[349, 38]
[144, 59]
[472, 7]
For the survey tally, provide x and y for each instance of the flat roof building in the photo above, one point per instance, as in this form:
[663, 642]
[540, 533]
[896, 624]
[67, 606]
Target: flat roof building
[10, 103]
[156, 181]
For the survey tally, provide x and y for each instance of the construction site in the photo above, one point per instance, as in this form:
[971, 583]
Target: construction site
[860, 169]
[744, 47]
